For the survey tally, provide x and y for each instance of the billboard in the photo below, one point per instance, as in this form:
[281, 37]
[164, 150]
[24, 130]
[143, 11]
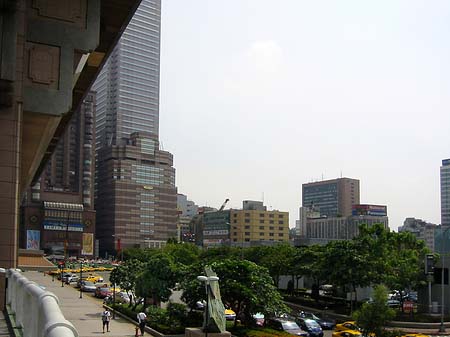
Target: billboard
[88, 244]
[375, 210]
[33, 239]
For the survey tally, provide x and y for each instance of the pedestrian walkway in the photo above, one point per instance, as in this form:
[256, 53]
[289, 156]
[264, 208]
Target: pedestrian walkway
[84, 313]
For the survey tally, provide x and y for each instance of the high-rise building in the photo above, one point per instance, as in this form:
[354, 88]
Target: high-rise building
[58, 213]
[445, 193]
[128, 85]
[135, 182]
[332, 198]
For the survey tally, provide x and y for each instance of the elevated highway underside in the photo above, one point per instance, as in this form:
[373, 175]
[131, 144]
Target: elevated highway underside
[50, 53]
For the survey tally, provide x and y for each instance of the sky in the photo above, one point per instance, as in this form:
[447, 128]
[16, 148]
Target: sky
[258, 97]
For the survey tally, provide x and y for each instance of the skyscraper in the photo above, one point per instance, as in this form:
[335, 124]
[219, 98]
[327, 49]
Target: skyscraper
[135, 183]
[331, 197]
[445, 192]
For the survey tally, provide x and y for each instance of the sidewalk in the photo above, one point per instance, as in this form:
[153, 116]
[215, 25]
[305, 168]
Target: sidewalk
[84, 313]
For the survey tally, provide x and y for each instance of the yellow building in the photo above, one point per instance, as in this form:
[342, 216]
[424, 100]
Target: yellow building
[258, 227]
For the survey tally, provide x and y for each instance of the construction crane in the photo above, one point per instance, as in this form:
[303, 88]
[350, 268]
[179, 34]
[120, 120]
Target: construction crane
[223, 205]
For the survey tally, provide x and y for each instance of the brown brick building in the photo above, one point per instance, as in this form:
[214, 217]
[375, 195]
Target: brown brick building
[136, 194]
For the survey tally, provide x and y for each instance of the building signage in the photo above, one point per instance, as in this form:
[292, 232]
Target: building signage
[61, 226]
[216, 232]
[33, 239]
[88, 244]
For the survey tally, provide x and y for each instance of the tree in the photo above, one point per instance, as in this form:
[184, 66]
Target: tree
[183, 253]
[244, 286]
[372, 317]
[278, 260]
[125, 276]
[158, 278]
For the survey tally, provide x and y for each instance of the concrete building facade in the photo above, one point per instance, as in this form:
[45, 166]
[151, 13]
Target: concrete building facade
[331, 197]
[445, 192]
[423, 230]
[58, 213]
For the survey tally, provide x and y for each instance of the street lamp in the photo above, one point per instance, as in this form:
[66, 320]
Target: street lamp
[207, 280]
[442, 327]
[81, 277]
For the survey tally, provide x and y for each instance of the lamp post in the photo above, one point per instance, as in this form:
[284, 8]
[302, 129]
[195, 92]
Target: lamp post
[81, 277]
[442, 327]
[207, 280]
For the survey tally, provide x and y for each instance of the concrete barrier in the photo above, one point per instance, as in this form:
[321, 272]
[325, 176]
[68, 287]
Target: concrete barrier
[36, 310]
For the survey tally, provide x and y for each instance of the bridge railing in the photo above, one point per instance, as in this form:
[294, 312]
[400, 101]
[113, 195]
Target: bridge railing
[36, 310]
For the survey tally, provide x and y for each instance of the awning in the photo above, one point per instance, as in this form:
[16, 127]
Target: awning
[33, 260]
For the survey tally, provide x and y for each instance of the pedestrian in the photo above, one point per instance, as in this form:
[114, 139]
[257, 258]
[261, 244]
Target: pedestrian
[142, 317]
[106, 317]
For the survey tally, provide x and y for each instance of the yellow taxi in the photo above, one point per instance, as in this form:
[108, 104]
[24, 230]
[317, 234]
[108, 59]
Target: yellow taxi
[93, 278]
[346, 333]
[347, 326]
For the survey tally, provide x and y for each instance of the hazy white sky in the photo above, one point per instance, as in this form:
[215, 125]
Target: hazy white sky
[258, 97]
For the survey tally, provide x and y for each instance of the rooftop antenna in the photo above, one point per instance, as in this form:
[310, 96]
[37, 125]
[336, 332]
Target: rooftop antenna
[341, 173]
[263, 197]
[322, 176]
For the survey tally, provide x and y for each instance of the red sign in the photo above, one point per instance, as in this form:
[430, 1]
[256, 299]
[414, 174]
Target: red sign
[408, 306]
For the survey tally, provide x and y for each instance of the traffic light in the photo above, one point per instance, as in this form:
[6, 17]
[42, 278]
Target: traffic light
[429, 264]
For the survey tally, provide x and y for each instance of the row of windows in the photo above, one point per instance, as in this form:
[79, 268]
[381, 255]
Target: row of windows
[280, 222]
[260, 234]
[262, 215]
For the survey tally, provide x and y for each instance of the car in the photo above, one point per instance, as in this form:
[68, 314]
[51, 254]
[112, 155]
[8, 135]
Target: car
[230, 315]
[72, 279]
[102, 292]
[325, 324]
[415, 335]
[346, 333]
[87, 286]
[311, 326]
[392, 303]
[348, 325]
[281, 324]
[94, 278]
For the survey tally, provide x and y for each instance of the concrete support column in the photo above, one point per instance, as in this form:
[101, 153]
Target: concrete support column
[10, 140]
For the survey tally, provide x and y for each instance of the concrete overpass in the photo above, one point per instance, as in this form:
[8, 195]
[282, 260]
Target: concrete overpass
[50, 53]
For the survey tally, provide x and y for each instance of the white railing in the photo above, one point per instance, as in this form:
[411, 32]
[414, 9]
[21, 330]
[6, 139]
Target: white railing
[36, 310]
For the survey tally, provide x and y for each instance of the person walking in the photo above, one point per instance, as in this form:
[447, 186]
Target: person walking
[106, 317]
[142, 317]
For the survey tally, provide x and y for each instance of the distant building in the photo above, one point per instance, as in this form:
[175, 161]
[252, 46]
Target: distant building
[332, 198]
[423, 230]
[258, 226]
[253, 205]
[187, 209]
[445, 193]
[216, 228]
[58, 213]
[324, 230]
[375, 210]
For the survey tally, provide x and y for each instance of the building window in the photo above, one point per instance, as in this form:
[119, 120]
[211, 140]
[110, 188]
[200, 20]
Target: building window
[235, 215]
[270, 215]
[247, 234]
[261, 233]
[271, 228]
[234, 221]
[280, 228]
[270, 234]
[280, 216]
[280, 222]
[261, 227]
[280, 234]
[261, 221]
[271, 221]
[247, 227]
[247, 220]
[261, 215]
[247, 214]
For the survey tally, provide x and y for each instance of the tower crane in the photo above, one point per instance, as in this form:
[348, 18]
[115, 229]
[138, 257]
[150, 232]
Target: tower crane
[223, 205]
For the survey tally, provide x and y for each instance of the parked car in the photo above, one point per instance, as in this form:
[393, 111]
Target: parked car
[93, 278]
[311, 326]
[281, 324]
[346, 333]
[102, 292]
[87, 286]
[325, 324]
